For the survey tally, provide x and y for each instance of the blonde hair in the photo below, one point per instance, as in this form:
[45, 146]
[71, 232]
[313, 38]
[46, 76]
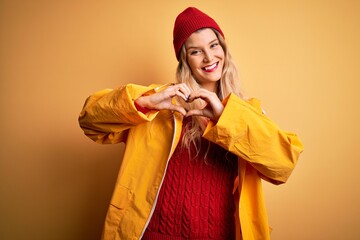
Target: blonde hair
[229, 83]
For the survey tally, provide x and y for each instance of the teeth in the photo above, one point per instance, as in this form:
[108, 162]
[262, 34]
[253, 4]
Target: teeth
[210, 67]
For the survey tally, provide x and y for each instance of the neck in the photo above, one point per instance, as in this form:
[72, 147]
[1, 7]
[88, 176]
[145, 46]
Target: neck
[212, 87]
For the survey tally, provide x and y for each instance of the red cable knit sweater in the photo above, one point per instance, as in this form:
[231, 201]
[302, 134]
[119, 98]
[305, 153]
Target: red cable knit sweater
[195, 200]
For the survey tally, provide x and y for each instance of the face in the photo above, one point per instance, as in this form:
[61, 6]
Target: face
[205, 57]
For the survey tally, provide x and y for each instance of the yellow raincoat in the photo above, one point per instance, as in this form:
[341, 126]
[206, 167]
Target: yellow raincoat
[263, 150]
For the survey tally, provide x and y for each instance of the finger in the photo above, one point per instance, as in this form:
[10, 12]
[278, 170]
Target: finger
[177, 90]
[178, 109]
[195, 112]
[203, 96]
[205, 112]
[184, 91]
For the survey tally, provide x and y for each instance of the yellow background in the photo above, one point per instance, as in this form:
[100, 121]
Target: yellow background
[301, 58]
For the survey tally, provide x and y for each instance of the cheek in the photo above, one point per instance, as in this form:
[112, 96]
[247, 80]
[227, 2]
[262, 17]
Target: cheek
[222, 57]
[221, 53]
[192, 64]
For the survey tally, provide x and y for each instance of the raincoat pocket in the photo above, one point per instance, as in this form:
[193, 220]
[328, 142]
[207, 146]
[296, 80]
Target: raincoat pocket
[121, 197]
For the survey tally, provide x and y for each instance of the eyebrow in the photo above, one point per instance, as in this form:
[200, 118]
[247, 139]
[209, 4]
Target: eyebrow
[211, 42]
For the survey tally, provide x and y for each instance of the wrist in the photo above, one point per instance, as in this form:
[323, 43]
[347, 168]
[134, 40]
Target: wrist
[140, 106]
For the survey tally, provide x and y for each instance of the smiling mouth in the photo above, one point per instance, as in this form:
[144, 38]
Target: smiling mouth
[211, 67]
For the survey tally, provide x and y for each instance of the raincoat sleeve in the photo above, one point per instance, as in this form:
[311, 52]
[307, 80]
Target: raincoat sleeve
[107, 115]
[244, 130]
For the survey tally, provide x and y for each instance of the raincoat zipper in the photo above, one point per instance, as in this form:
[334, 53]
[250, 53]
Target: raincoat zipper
[157, 195]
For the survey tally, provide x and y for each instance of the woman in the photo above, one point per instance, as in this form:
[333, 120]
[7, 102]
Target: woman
[195, 150]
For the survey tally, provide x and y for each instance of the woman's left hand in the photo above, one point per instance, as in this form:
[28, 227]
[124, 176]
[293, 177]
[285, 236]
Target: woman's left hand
[213, 108]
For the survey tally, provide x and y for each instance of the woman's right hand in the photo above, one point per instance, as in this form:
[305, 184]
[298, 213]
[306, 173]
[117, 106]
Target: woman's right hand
[163, 99]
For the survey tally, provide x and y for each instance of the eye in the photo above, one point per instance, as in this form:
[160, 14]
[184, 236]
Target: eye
[195, 52]
[214, 45]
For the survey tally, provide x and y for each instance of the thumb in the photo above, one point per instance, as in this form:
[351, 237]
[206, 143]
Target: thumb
[178, 109]
[194, 112]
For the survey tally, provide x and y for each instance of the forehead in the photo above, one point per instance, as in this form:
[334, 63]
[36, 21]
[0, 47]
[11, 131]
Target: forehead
[200, 37]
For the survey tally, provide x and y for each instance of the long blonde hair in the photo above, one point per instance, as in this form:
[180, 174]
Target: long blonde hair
[229, 83]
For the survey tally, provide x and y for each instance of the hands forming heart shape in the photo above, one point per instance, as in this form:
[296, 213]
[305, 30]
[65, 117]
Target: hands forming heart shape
[163, 100]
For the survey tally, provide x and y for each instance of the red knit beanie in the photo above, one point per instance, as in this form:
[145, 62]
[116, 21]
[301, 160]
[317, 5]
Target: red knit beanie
[189, 21]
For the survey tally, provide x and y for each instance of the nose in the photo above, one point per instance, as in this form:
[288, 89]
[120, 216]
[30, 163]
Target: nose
[207, 56]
